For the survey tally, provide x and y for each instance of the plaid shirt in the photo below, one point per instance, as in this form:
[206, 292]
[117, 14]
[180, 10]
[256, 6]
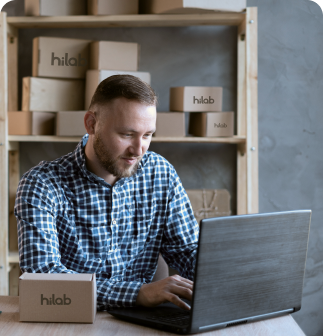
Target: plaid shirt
[72, 221]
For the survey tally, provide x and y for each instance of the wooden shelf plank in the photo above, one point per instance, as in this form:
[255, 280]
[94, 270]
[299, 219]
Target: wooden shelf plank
[91, 21]
[53, 138]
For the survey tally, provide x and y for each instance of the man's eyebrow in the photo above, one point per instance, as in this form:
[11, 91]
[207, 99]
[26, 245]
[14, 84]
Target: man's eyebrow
[134, 131]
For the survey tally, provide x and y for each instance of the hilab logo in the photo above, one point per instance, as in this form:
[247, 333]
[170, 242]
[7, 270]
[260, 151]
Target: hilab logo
[203, 100]
[68, 61]
[219, 125]
[55, 301]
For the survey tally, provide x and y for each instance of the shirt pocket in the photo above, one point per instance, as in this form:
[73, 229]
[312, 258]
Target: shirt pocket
[142, 216]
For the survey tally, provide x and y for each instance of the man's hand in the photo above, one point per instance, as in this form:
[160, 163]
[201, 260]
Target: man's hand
[169, 289]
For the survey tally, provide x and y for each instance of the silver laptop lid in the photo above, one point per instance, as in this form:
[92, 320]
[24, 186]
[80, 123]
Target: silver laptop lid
[248, 266]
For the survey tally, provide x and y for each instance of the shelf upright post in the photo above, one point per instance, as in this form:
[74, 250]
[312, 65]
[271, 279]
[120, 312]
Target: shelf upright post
[241, 121]
[13, 153]
[252, 109]
[4, 266]
[247, 118]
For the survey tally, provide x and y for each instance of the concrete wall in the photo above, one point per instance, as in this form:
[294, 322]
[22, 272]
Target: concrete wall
[290, 112]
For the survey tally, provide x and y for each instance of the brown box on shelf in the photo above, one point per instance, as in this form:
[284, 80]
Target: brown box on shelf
[60, 57]
[196, 98]
[108, 55]
[170, 124]
[44, 94]
[70, 123]
[190, 6]
[55, 7]
[95, 77]
[211, 124]
[31, 123]
[57, 297]
[208, 203]
[113, 7]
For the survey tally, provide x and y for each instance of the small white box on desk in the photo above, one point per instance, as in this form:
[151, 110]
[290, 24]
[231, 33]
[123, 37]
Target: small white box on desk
[57, 297]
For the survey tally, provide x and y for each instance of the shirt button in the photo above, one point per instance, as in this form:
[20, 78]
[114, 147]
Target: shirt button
[114, 222]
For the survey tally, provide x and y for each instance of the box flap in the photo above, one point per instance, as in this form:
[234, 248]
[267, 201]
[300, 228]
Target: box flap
[57, 276]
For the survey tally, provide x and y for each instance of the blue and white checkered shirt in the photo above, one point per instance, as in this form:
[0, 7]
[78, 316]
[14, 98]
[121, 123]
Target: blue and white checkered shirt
[72, 221]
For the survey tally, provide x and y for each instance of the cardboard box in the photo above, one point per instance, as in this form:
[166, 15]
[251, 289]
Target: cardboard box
[55, 8]
[113, 7]
[190, 6]
[107, 55]
[31, 123]
[44, 94]
[196, 99]
[70, 123]
[60, 57]
[95, 77]
[212, 124]
[170, 124]
[209, 203]
[57, 297]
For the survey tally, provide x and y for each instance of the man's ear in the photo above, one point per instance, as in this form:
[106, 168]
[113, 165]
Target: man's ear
[90, 122]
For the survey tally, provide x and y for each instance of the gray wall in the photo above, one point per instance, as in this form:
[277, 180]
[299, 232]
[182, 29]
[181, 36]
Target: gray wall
[290, 112]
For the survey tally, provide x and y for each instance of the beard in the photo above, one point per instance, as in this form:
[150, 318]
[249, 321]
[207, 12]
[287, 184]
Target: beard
[109, 163]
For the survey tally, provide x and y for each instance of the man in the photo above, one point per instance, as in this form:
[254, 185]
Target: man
[111, 206]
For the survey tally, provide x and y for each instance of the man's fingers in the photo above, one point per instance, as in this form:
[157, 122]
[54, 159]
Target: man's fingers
[179, 278]
[178, 302]
[183, 292]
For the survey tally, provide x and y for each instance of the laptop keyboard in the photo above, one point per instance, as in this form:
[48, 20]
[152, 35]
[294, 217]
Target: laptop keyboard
[180, 318]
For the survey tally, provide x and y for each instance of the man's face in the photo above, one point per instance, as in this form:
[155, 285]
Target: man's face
[123, 135]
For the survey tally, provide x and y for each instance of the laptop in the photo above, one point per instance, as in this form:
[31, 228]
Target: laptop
[248, 268]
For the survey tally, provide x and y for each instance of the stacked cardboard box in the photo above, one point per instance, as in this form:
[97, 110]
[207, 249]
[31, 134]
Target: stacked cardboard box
[112, 7]
[190, 6]
[170, 124]
[210, 121]
[31, 123]
[112, 58]
[70, 123]
[55, 8]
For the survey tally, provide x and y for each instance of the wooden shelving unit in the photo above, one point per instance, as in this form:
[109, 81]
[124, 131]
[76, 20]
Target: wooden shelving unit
[246, 139]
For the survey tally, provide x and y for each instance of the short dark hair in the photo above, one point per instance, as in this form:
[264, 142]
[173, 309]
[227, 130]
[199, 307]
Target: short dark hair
[126, 86]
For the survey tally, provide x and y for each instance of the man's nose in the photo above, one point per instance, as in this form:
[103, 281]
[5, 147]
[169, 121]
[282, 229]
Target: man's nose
[136, 147]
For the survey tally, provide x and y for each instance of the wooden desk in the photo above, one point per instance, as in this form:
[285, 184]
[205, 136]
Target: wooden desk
[106, 325]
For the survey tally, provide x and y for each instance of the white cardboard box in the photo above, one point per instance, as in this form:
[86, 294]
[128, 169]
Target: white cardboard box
[191, 6]
[112, 7]
[55, 7]
[196, 99]
[31, 123]
[109, 55]
[212, 124]
[56, 57]
[70, 123]
[57, 297]
[44, 94]
[170, 124]
[95, 77]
